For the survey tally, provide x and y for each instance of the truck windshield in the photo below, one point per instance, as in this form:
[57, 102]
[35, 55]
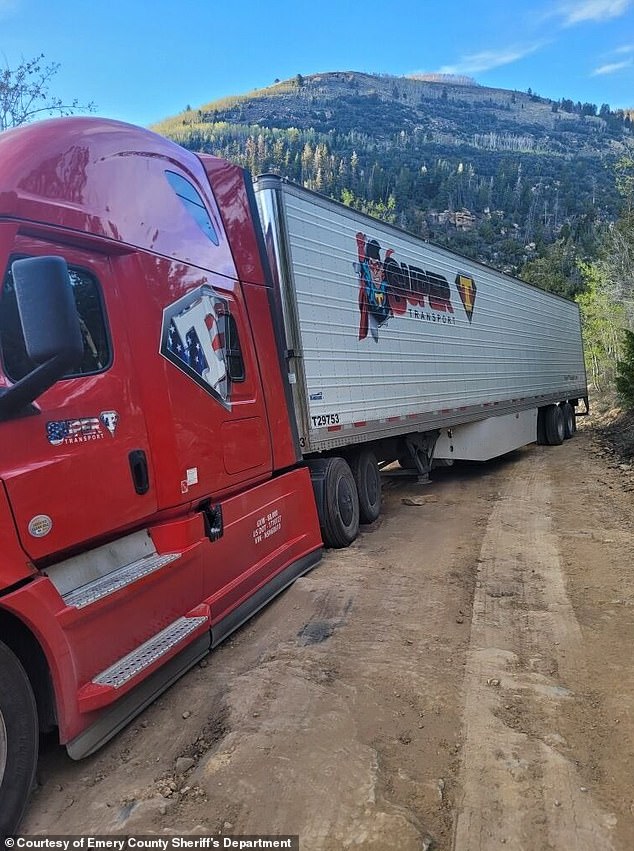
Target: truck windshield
[96, 356]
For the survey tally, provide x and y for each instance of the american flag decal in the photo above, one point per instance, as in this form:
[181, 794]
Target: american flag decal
[73, 431]
[192, 340]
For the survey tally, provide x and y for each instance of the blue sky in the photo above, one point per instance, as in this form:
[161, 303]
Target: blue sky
[141, 62]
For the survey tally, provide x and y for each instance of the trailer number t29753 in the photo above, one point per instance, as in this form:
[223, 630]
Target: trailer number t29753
[325, 420]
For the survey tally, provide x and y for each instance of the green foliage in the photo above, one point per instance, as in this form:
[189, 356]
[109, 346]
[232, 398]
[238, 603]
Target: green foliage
[557, 270]
[625, 182]
[386, 211]
[25, 93]
[601, 320]
[624, 380]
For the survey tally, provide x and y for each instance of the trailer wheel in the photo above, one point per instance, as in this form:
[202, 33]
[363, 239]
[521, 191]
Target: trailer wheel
[554, 425]
[339, 512]
[18, 741]
[541, 427]
[570, 423]
[367, 477]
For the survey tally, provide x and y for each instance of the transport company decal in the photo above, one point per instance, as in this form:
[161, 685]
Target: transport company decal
[109, 420]
[82, 429]
[389, 288]
[467, 291]
[193, 339]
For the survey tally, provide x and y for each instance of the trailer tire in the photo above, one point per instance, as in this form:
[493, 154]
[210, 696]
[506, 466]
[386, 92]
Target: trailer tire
[18, 741]
[367, 477]
[541, 427]
[570, 424]
[554, 425]
[339, 512]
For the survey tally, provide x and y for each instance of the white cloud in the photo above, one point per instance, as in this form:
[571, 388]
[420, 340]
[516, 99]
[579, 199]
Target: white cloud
[473, 63]
[611, 68]
[626, 48]
[592, 10]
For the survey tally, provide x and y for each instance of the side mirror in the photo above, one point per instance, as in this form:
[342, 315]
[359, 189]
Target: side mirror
[50, 326]
[47, 310]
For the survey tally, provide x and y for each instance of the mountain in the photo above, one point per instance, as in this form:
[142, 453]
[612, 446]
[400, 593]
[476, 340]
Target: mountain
[499, 175]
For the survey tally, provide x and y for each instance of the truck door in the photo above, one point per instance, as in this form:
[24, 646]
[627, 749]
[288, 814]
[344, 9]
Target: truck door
[203, 397]
[79, 466]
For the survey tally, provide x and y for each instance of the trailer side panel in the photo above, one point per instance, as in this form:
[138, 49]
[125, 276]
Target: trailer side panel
[392, 334]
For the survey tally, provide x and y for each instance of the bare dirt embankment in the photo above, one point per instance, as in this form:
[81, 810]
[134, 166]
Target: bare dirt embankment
[461, 677]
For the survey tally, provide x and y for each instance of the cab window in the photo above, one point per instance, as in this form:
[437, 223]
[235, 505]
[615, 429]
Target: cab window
[193, 203]
[97, 353]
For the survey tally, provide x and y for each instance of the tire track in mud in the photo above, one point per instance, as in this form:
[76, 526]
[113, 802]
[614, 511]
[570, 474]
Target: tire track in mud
[520, 785]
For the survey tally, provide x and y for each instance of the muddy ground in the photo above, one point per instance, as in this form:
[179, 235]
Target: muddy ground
[462, 677]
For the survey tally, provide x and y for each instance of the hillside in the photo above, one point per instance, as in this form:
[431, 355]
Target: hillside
[499, 175]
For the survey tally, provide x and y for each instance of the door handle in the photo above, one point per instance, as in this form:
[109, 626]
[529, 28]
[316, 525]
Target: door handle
[139, 470]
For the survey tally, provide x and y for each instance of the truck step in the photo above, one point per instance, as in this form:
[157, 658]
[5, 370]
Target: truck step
[126, 672]
[145, 655]
[103, 586]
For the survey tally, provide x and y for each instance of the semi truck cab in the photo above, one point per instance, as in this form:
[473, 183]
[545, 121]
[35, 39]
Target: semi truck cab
[152, 495]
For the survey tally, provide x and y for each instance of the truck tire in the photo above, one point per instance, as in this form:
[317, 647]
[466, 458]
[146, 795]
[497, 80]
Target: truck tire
[339, 512]
[570, 423]
[367, 477]
[18, 741]
[554, 425]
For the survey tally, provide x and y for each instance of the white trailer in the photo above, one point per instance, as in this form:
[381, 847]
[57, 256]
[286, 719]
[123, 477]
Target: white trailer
[408, 351]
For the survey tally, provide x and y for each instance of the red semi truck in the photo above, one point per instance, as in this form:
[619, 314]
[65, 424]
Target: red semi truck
[199, 382]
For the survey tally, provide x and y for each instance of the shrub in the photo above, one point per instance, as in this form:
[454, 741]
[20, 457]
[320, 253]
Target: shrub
[625, 371]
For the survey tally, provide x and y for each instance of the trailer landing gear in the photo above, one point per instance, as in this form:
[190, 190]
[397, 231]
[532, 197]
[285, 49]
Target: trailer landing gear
[420, 448]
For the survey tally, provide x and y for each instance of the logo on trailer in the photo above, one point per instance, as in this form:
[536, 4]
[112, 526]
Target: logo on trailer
[193, 339]
[467, 291]
[388, 288]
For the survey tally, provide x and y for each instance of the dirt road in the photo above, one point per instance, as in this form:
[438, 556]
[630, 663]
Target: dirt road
[461, 677]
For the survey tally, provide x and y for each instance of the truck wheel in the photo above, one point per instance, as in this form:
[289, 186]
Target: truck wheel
[18, 741]
[554, 425]
[339, 513]
[570, 424]
[365, 470]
